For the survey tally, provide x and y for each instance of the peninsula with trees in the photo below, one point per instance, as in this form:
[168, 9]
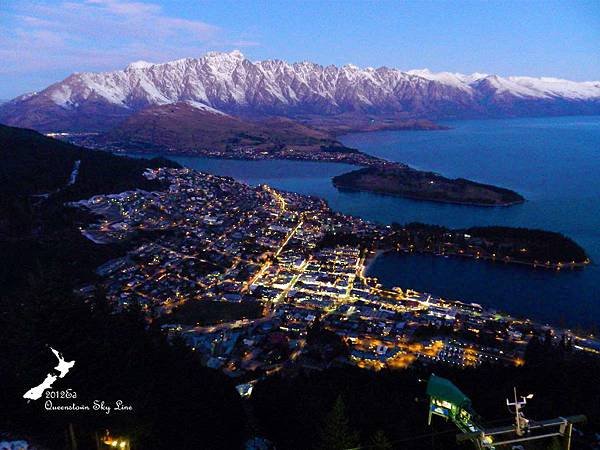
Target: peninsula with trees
[403, 181]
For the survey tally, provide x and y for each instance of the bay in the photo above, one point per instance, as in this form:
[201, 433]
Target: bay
[553, 162]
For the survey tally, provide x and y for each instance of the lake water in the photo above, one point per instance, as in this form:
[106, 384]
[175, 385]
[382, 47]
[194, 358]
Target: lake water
[553, 162]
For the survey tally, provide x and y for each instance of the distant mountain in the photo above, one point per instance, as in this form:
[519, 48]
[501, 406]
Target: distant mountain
[231, 84]
[182, 128]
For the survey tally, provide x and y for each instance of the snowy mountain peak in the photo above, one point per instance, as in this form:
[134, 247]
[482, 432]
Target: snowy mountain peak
[230, 83]
[235, 55]
[139, 65]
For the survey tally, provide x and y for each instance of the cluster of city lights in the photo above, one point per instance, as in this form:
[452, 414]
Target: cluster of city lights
[116, 443]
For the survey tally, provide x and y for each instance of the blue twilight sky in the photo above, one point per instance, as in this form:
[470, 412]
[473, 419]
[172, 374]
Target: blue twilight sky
[44, 41]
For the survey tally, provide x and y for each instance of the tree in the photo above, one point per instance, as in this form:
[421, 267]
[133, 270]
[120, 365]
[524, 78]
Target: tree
[379, 441]
[324, 344]
[336, 433]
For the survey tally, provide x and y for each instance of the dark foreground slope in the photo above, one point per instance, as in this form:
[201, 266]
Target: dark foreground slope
[299, 413]
[177, 403]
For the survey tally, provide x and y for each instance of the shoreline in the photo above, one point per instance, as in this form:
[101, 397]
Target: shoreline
[421, 199]
[376, 162]
[369, 260]
[506, 260]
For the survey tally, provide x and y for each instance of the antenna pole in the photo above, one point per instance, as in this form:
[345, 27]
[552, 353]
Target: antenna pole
[517, 418]
[520, 421]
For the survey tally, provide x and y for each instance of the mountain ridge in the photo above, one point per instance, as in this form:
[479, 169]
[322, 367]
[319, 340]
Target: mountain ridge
[229, 83]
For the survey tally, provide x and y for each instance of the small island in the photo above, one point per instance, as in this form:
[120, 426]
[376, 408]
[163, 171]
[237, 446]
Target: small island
[181, 129]
[403, 181]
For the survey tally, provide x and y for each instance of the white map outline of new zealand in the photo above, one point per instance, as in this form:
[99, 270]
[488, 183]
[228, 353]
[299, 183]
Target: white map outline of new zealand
[63, 368]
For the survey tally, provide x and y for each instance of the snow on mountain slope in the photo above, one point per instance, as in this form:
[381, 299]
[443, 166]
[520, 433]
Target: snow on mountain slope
[230, 83]
[560, 88]
[457, 80]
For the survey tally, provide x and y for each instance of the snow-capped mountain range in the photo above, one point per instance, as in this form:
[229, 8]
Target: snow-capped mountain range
[228, 83]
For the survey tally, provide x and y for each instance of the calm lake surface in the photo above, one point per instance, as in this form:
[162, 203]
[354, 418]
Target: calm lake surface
[553, 162]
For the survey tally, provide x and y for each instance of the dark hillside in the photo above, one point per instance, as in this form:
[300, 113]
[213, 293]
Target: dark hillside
[37, 230]
[177, 403]
[34, 164]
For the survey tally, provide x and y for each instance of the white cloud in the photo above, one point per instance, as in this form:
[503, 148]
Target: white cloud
[130, 8]
[101, 35]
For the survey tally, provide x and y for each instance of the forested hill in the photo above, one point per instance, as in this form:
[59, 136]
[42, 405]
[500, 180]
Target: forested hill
[37, 176]
[34, 167]
[33, 164]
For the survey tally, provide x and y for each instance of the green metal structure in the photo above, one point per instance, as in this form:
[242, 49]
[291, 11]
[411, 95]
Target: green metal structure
[449, 402]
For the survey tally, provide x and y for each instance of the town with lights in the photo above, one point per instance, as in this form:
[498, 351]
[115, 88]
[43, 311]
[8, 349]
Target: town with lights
[259, 281]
